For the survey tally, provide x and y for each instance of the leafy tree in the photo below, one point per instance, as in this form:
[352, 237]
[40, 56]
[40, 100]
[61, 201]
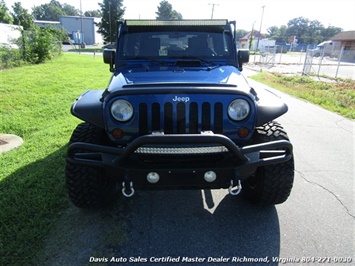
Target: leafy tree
[278, 34]
[69, 10]
[330, 32]
[273, 31]
[93, 13]
[298, 27]
[307, 32]
[310, 32]
[166, 12]
[314, 32]
[4, 15]
[111, 10]
[53, 10]
[251, 39]
[22, 17]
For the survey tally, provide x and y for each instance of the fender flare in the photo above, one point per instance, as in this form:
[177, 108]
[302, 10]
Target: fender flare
[269, 107]
[88, 107]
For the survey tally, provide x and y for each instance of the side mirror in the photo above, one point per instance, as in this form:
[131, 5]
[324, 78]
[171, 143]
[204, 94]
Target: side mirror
[243, 57]
[109, 58]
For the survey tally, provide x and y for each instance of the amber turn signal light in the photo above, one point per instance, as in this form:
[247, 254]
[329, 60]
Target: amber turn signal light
[243, 132]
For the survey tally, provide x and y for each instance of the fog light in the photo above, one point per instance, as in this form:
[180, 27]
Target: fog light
[153, 177]
[210, 176]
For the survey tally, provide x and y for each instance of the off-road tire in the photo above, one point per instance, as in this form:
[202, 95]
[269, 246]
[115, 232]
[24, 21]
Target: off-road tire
[89, 187]
[270, 184]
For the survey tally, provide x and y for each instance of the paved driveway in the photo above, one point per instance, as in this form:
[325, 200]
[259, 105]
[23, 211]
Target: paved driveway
[316, 223]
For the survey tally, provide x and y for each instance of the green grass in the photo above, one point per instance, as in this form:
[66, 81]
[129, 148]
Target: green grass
[337, 96]
[35, 104]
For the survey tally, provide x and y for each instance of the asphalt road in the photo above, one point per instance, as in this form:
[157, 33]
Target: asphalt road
[316, 223]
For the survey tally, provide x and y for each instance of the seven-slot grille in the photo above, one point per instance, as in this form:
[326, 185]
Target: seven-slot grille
[180, 118]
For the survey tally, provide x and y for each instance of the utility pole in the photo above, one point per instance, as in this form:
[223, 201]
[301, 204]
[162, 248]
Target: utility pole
[81, 25]
[109, 18]
[261, 23]
[213, 8]
[82, 44]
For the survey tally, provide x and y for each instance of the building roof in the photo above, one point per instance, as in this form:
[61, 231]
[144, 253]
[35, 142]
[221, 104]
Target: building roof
[345, 36]
[46, 22]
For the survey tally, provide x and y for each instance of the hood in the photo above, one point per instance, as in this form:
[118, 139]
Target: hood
[138, 75]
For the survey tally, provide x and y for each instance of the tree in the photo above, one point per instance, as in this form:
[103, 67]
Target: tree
[298, 27]
[307, 32]
[69, 10]
[330, 32]
[314, 32]
[273, 31]
[22, 17]
[166, 12]
[93, 13]
[53, 10]
[278, 34]
[4, 15]
[111, 10]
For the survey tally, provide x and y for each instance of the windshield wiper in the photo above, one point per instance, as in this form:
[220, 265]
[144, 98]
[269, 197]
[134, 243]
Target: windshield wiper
[197, 58]
[194, 61]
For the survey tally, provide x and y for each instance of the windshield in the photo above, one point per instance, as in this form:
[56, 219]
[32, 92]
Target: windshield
[175, 45]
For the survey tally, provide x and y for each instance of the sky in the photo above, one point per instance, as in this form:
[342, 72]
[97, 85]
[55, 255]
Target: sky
[338, 13]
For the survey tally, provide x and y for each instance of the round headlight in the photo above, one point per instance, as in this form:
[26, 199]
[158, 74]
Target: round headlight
[122, 110]
[238, 109]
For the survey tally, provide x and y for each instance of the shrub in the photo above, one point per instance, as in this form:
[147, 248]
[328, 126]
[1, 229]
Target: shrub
[40, 44]
[10, 57]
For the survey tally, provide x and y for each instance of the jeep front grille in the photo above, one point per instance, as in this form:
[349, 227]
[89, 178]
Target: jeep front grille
[180, 118]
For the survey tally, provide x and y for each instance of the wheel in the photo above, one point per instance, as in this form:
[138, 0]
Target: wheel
[89, 187]
[271, 184]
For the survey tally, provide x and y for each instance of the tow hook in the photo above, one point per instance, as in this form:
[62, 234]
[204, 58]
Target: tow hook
[237, 190]
[127, 192]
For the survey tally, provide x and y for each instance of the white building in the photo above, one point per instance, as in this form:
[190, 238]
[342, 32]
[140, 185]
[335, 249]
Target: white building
[9, 33]
[75, 24]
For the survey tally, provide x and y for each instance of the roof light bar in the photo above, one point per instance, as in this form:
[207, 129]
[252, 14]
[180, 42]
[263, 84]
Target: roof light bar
[215, 22]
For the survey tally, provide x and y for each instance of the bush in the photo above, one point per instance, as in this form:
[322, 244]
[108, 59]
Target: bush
[10, 57]
[35, 46]
[40, 44]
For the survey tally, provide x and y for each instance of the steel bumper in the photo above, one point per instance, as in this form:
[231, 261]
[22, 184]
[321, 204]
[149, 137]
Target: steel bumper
[122, 163]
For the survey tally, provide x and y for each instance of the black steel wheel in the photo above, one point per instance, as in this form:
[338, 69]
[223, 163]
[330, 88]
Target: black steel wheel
[89, 187]
[271, 184]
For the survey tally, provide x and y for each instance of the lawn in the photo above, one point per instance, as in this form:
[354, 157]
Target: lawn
[35, 105]
[337, 96]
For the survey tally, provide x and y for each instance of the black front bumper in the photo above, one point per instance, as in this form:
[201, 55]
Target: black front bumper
[126, 164]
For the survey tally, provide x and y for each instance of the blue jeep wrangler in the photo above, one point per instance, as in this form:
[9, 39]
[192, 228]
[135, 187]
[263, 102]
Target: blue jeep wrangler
[178, 114]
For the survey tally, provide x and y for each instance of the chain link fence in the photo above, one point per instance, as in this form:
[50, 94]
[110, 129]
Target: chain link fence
[337, 64]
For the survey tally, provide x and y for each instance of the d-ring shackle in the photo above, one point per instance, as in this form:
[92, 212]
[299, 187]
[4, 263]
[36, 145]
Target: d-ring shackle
[238, 188]
[127, 195]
